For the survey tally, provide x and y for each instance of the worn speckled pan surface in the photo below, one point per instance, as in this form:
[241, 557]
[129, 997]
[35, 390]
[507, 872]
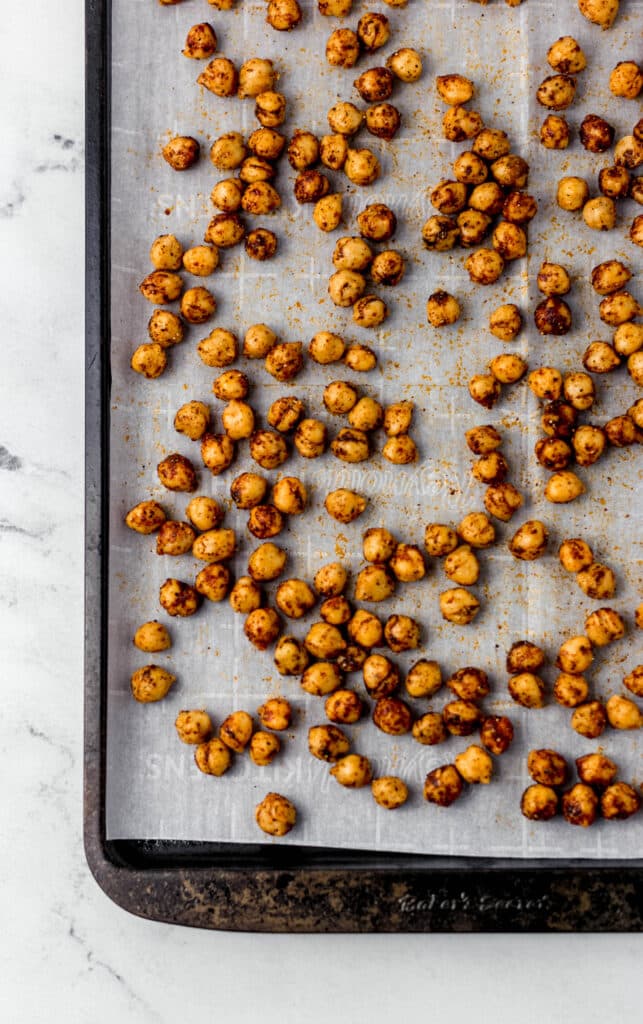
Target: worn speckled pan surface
[268, 887]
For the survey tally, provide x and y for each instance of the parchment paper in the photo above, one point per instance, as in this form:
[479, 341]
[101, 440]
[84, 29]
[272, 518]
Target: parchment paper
[153, 787]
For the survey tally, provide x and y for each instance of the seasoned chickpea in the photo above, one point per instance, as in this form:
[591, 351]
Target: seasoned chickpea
[344, 707]
[634, 679]
[462, 566]
[289, 496]
[262, 627]
[303, 150]
[174, 538]
[248, 490]
[285, 413]
[392, 716]
[227, 194]
[563, 487]
[217, 452]
[459, 124]
[579, 804]
[213, 582]
[469, 684]
[375, 84]
[496, 734]
[283, 15]
[265, 521]
[470, 169]
[366, 629]
[524, 656]
[345, 118]
[198, 305]
[398, 418]
[596, 770]
[614, 182]
[325, 348]
[228, 152]
[340, 397]
[268, 448]
[508, 368]
[352, 254]
[484, 389]
[477, 530]
[610, 276]
[623, 713]
[557, 92]
[406, 64]
[440, 539]
[402, 633]
[509, 240]
[152, 637]
[151, 683]
[442, 309]
[362, 166]
[484, 266]
[449, 197]
[600, 357]
[475, 765]
[218, 349]
[225, 230]
[407, 563]
[285, 360]
[261, 244]
[270, 108]
[483, 440]
[181, 152]
[440, 234]
[350, 445]
[200, 42]
[527, 689]
[352, 771]
[165, 328]
[193, 726]
[389, 791]
[331, 579]
[378, 545]
[519, 207]
[424, 679]
[334, 8]
[459, 606]
[491, 144]
[374, 583]
[149, 360]
[245, 596]
[161, 287]
[454, 89]
[336, 611]
[635, 366]
[166, 253]
[429, 729]
[597, 581]
[388, 268]
[342, 48]
[626, 79]
[589, 719]
[327, 213]
[603, 627]
[635, 413]
[267, 143]
[220, 77]
[490, 469]
[310, 438]
[539, 803]
[628, 338]
[275, 713]
[344, 505]
[546, 383]
[589, 444]
[373, 31]
[529, 541]
[461, 717]
[213, 757]
[324, 641]
[328, 742]
[264, 747]
[215, 545]
[381, 677]
[256, 76]
[547, 767]
[575, 554]
[502, 500]
[177, 473]
[377, 222]
[566, 56]
[600, 213]
[555, 132]
[275, 815]
[267, 562]
[291, 657]
[345, 287]
[400, 450]
[179, 599]
[559, 419]
[553, 316]
[619, 801]
[575, 655]
[619, 308]
[192, 419]
[628, 152]
[505, 322]
[572, 193]
[443, 785]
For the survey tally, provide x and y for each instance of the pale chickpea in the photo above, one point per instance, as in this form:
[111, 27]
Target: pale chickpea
[151, 683]
[217, 452]
[589, 444]
[352, 771]
[213, 582]
[152, 637]
[193, 726]
[628, 338]
[290, 657]
[267, 562]
[508, 368]
[579, 390]
[454, 89]
[362, 167]
[424, 679]
[228, 152]
[345, 118]
[546, 383]
[572, 193]
[374, 583]
[245, 596]
[345, 505]
[623, 713]
[215, 545]
[400, 450]
[227, 194]
[350, 445]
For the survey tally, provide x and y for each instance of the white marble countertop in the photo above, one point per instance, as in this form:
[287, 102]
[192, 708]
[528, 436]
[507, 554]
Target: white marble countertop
[67, 953]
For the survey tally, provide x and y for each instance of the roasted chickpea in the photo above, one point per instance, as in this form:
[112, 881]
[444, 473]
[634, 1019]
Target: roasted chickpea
[454, 89]
[623, 713]
[267, 562]
[553, 316]
[635, 367]
[406, 64]
[628, 338]
[310, 438]
[193, 726]
[443, 785]
[219, 77]
[600, 213]
[429, 729]
[350, 445]
[469, 684]
[327, 213]
[181, 152]
[579, 804]
[508, 368]
[442, 309]
[375, 84]
[615, 182]
[270, 108]
[328, 742]
[461, 717]
[213, 582]
[401, 633]
[381, 677]
[477, 530]
[213, 757]
[619, 801]
[597, 581]
[555, 132]
[484, 266]
[439, 539]
[510, 171]
[178, 599]
[325, 348]
[398, 418]
[361, 166]
[459, 606]
[265, 521]
[345, 287]
[336, 611]
[626, 80]
[557, 92]
[149, 360]
[174, 538]
[215, 545]
[291, 657]
[527, 689]
[475, 765]
[603, 627]
[165, 328]
[217, 452]
[459, 124]
[228, 152]
[262, 627]
[424, 679]
[342, 48]
[596, 770]
[505, 322]
[177, 473]
[600, 357]
[283, 15]
[344, 505]
[152, 637]
[331, 579]
[566, 56]
[589, 444]
[245, 596]
[575, 655]
[572, 193]
[225, 230]
[256, 76]
[200, 42]
[161, 287]
[378, 545]
[519, 207]
[166, 253]
[407, 563]
[151, 683]
[266, 143]
[634, 679]
[502, 500]
[628, 152]
[539, 803]
[275, 815]
[579, 390]
[275, 713]
[392, 716]
[563, 487]
[589, 719]
[485, 389]
[547, 767]
[227, 194]
[261, 244]
[440, 234]
[389, 792]
[373, 31]
[248, 490]
[303, 151]
[345, 118]
[352, 254]
[374, 583]
[462, 566]
[490, 469]
[285, 360]
[268, 448]
[388, 268]
[487, 198]
[264, 747]
[352, 771]
[496, 734]
[400, 450]
[596, 134]
[344, 707]
[366, 629]
[377, 222]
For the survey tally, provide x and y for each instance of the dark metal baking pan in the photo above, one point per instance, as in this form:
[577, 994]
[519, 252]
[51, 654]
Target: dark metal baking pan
[267, 887]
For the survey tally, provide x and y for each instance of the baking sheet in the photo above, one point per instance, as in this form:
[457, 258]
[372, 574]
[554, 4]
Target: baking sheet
[153, 788]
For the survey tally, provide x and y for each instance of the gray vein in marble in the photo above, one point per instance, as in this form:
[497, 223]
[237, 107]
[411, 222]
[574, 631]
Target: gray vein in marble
[38, 734]
[7, 459]
[7, 527]
[9, 207]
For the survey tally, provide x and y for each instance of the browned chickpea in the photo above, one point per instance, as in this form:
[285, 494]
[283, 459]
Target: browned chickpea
[345, 287]
[600, 213]
[344, 118]
[149, 360]
[539, 803]
[429, 729]
[174, 538]
[344, 505]
[366, 629]
[596, 770]
[406, 64]
[179, 599]
[502, 501]
[635, 366]
[477, 530]
[266, 143]
[527, 689]
[443, 785]
[589, 443]
[265, 521]
[225, 230]
[375, 85]
[626, 79]
[563, 487]
[152, 637]
[291, 657]
[596, 134]
[219, 77]
[454, 89]
[449, 197]
[459, 606]
[462, 566]
[342, 48]
[519, 207]
[161, 287]
[575, 655]
[600, 357]
[268, 449]
[344, 707]
[165, 328]
[496, 734]
[589, 719]
[619, 308]
[340, 397]
[553, 316]
[327, 213]
[628, 338]
[400, 450]
[472, 226]
[572, 193]
[326, 348]
[553, 453]
[424, 679]
[461, 717]
[378, 545]
[177, 473]
[374, 583]
[381, 677]
[566, 56]
[546, 383]
[459, 124]
[440, 539]
[217, 452]
[245, 596]
[547, 767]
[559, 419]
[579, 805]
[310, 438]
[401, 633]
[377, 222]
[615, 182]
[389, 792]
[604, 626]
[407, 563]
[275, 815]
[353, 771]
[557, 92]
[181, 152]
[262, 627]
[483, 440]
[484, 266]
[285, 360]
[303, 151]
[579, 390]
[373, 31]
[362, 166]
[310, 186]
[490, 469]
[634, 681]
[575, 554]
[213, 582]
[388, 268]
[285, 413]
[623, 713]
[529, 541]
[524, 656]
[508, 368]
[328, 742]
[505, 322]
[619, 801]
[442, 309]
[267, 562]
[248, 490]
[555, 132]
[597, 581]
[334, 8]
[264, 747]
[392, 716]
[475, 765]
[469, 684]
[350, 445]
[628, 152]
[283, 15]
[485, 389]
